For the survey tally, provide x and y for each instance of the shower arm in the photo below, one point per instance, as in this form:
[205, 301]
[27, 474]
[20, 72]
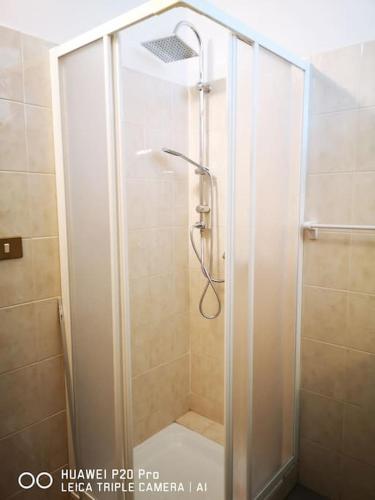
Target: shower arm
[203, 88]
[198, 37]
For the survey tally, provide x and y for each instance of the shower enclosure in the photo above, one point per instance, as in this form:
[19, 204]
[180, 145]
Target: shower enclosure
[180, 139]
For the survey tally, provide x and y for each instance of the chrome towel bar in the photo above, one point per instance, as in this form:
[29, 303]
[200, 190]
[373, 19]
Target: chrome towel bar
[313, 228]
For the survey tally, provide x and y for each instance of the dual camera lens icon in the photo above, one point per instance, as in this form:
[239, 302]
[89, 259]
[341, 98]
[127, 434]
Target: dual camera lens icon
[27, 480]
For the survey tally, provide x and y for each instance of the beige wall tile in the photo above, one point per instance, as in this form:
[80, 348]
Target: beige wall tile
[363, 200]
[333, 142]
[180, 96]
[147, 426]
[194, 421]
[160, 251]
[158, 101]
[51, 386]
[361, 322]
[326, 260]
[48, 336]
[323, 368]
[161, 296]
[12, 137]
[159, 165]
[174, 382]
[321, 420]
[36, 75]
[162, 350]
[208, 408]
[134, 151]
[319, 469]
[138, 212]
[208, 335]
[14, 205]
[134, 88]
[362, 269]
[158, 420]
[360, 379]
[329, 198]
[160, 396]
[11, 86]
[53, 437]
[181, 191]
[367, 85]
[139, 291]
[181, 290]
[359, 434]
[324, 315]
[217, 112]
[207, 378]
[180, 247]
[141, 358]
[42, 189]
[366, 148]
[16, 284]
[19, 399]
[139, 252]
[46, 275]
[17, 337]
[19, 453]
[28, 333]
[357, 479]
[145, 394]
[340, 141]
[336, 79]
[40, 447]
[216, 433]
[162, 213]
[180, 323]
[142, 337]
[39, 139]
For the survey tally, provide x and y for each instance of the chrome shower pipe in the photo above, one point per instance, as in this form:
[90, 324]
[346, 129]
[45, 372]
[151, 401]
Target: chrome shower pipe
[203, 89]
[205, 207]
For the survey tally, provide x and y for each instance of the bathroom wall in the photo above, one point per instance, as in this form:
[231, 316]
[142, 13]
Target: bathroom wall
[207, 336]
[338, 344]
[32, 402]
[155, 116]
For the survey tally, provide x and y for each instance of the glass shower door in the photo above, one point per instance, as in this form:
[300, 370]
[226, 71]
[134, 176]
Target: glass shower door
[276, 245]
[268, 108]
[88, 286]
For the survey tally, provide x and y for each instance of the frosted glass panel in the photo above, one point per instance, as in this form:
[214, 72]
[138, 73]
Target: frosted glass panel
[277, 202]
[241, 267]
[85, 165]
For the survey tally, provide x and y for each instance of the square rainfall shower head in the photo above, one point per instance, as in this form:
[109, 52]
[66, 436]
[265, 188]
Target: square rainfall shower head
[170, 49]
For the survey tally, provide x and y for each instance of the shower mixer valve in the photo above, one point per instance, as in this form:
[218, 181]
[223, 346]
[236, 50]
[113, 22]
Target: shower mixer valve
[202, 209]
[205, 87]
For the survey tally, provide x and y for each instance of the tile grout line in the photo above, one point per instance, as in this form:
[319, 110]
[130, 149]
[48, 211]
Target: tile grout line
[34, 424]
[34, 363]
[28, 172]
[340, 290]
[338, 346]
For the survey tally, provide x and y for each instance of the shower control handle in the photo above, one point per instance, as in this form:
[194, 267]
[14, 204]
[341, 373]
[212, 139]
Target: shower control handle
[202, 209]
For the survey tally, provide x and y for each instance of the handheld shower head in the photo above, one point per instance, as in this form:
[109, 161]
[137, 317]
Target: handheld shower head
[201, 169]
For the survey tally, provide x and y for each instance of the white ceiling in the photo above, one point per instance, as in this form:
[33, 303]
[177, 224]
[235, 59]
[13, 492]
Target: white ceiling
[303, 26]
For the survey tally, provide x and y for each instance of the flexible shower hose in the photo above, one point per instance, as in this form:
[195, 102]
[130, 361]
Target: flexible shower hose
[207, 273]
